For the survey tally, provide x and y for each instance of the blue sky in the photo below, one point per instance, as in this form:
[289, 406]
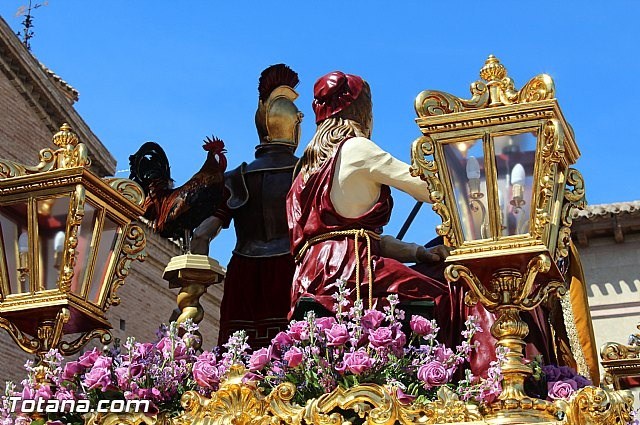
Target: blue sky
[174, 72]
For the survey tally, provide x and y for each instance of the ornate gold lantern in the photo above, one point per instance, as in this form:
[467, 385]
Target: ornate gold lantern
[66, 244]
[501, 181]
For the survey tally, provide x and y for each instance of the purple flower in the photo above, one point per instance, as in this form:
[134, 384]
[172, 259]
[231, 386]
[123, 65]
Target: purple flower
[420, 325]
[442, 353]
[205, 370]
[100, 374]
[294, 357]
[259, 359]
[337, 335]
[356, 362]
[372, 319]
[582, 381]
[399, 341]
[381, 337]
[433, 374]
[567, 373]
[562, 389]
[552, 372]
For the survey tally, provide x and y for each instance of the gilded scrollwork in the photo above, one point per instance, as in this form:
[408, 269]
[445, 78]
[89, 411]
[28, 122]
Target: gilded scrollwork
[574, 198]
[240, 403]
[434, 102]
[72, 347]
[133, 249]
[427, 170]
[478, 292]
[617, 351]
[495, 88]
[26, 343]
[598, 406]
[540, 87]
[121, 419]
[128, 188]
[551, 152]
[73, 225]
[70, 154]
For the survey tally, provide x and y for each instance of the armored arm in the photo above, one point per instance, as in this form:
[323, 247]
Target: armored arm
[204, 234]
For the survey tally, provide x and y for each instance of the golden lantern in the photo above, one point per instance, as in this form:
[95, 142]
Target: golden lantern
[501, 181]
[66, 244]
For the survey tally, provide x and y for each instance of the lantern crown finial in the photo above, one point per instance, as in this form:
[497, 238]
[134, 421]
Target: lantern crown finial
[65, 136]
[493, 70]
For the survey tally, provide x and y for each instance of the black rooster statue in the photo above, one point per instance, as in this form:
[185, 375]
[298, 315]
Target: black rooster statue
[175, 212]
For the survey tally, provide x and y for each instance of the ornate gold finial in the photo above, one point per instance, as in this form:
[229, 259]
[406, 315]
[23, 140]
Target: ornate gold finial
[65, 136]
[493, 70]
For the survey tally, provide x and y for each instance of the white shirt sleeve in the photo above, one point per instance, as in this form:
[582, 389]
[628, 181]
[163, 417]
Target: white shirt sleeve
[383, 168]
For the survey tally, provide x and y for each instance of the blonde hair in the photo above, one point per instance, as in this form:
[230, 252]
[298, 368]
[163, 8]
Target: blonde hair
[350, 122]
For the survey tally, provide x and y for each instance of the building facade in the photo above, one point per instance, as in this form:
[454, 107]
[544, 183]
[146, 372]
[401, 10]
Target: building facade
[608, 239]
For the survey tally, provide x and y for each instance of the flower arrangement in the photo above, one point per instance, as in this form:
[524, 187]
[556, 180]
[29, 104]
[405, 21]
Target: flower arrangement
[563, 381]
[369, 346]
[317, 354]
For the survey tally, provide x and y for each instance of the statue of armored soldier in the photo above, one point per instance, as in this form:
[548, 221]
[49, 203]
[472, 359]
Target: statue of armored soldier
[258, 282]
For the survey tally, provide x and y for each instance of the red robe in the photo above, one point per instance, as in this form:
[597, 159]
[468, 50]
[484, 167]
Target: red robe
[310, 213]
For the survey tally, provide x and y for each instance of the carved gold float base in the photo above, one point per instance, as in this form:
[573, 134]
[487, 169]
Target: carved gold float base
[241, 403]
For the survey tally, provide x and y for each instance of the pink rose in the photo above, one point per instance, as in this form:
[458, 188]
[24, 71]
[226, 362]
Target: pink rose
[337, 335]
[100, 374]
[356, 362]
[71, 369]
[205, 370]
[282, 340]
[88, 358]
[404, 398]
[381, 337]
[293, 357]
[420, 325]
[433, 374]
[259, 359]
[562, 389]
[325, 323]
[372, 319]
[299, 331]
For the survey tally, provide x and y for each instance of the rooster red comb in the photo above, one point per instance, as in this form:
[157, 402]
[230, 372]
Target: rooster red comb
[213, 144]
[275, 76]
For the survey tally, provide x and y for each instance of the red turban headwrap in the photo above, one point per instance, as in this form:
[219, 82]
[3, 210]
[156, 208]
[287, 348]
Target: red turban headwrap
[334, 92]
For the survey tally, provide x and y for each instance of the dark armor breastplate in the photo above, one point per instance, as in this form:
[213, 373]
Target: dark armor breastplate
[258, 204]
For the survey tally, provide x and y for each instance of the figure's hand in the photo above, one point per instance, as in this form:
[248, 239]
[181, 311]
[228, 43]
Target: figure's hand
[435, 254]
[204, 233]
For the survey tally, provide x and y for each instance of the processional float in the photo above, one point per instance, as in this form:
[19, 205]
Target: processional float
[498, 168]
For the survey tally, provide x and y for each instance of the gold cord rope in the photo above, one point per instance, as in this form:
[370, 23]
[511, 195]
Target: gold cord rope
[357, 234]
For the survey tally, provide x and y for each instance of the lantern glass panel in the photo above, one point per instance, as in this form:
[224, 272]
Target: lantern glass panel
[465, 162]
[52, 226]
[515, 159]
[85, 249]
[15, 244]
[105, 256]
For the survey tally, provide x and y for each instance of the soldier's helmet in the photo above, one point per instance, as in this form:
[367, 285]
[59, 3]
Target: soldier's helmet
[278, 118]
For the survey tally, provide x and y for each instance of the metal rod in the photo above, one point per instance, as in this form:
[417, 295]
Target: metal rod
[410, 218]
